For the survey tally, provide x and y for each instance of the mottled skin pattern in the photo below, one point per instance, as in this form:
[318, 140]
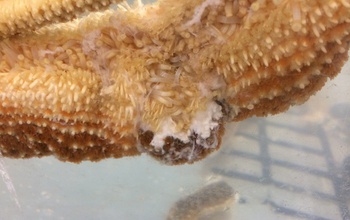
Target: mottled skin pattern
[120, 83]
[212, 198]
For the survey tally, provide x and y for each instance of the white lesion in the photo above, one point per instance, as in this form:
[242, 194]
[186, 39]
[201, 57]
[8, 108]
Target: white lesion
[199, 10]
[168, 129]
[206, 121]
[202, 124]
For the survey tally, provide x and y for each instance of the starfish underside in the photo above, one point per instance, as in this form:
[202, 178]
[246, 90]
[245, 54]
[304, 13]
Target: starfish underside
[161, 78]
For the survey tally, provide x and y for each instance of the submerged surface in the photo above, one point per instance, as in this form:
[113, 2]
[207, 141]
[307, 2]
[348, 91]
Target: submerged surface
[290, 166]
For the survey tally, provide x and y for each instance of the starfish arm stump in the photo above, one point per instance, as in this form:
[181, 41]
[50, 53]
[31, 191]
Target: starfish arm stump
[163, 78]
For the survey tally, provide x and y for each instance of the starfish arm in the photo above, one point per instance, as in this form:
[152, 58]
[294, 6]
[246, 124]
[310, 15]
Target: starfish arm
[21, 16]
[292, 54]
[45, 112]
[259, 61]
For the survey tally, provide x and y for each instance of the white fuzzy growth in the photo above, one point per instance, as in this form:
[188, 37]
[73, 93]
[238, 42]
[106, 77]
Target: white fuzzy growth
[43, 53]
[198, 11]
[205, 121]
[211, 83]
[88, 43]
[168, 130]
[202, 124]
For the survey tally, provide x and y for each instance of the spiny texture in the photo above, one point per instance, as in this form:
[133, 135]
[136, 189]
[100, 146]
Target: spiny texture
[163, 78]
[21, 16]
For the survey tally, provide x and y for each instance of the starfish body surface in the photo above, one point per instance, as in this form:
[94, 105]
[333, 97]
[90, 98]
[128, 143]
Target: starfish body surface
[160, 78]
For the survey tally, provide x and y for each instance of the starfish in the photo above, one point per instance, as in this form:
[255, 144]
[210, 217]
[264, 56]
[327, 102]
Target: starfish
[160, 79]
[22, 16]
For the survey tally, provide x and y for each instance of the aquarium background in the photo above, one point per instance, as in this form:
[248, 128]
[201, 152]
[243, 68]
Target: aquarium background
[294, 165]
